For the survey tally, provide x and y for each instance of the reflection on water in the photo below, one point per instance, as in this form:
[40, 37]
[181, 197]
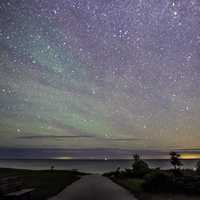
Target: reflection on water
[62, 158]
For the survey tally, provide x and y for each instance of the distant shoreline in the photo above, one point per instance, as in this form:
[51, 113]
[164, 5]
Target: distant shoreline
[121, 159]
[87, 165]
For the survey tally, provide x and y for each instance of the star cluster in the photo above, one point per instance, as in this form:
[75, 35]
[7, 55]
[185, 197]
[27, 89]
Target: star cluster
[98, 74]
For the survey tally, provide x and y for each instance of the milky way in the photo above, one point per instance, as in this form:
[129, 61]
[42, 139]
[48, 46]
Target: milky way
[99, 74]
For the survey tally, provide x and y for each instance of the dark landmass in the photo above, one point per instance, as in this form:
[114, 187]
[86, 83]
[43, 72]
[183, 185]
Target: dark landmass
[146, 183]
[46, 183]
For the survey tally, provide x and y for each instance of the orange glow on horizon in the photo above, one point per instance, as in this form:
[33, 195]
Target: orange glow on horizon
[188, 156]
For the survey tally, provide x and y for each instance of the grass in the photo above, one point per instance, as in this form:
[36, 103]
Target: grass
[133, 185]
[146, 196]
[46, 183]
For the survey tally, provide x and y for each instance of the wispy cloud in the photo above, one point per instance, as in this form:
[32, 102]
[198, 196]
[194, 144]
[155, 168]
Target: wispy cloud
[126, 139]
[29, 137]
[36, 136]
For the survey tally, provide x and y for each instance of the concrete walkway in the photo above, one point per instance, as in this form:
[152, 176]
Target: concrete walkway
[94, 187]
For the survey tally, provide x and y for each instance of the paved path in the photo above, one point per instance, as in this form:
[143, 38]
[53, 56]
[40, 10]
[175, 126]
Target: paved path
[94, 187]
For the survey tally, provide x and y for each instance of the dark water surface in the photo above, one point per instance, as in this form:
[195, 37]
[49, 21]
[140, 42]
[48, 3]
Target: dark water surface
[94, 166]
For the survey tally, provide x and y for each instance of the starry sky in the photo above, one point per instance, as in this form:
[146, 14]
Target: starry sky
[100, 74]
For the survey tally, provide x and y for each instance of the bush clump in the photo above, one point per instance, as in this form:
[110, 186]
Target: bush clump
[158, 181]
[139, 167]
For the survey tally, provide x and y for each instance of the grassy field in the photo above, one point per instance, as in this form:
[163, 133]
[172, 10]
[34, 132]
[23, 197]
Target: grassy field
[46, 183]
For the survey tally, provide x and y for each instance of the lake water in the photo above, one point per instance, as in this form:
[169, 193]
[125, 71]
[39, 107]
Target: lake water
[93, 166]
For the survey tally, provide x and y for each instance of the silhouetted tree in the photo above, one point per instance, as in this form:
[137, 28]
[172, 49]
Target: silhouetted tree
[139, 167]
[175, 160]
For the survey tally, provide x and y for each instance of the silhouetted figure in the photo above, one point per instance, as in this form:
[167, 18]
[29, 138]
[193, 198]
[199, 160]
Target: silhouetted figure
[198, 167]
[118, 169]
[52, 168]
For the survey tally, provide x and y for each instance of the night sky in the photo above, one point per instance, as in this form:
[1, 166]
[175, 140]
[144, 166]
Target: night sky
[100, 74]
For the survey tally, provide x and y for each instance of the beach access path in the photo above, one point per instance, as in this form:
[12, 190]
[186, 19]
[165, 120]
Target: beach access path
[94, 187]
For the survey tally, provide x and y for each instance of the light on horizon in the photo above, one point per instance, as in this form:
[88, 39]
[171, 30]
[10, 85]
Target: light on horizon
[189, 156]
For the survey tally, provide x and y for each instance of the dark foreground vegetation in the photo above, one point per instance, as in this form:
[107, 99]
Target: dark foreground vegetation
[46, 183]
[147, 183]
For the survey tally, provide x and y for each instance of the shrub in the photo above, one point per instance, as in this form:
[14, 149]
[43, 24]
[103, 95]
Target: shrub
[139, 167]
[158, 181]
